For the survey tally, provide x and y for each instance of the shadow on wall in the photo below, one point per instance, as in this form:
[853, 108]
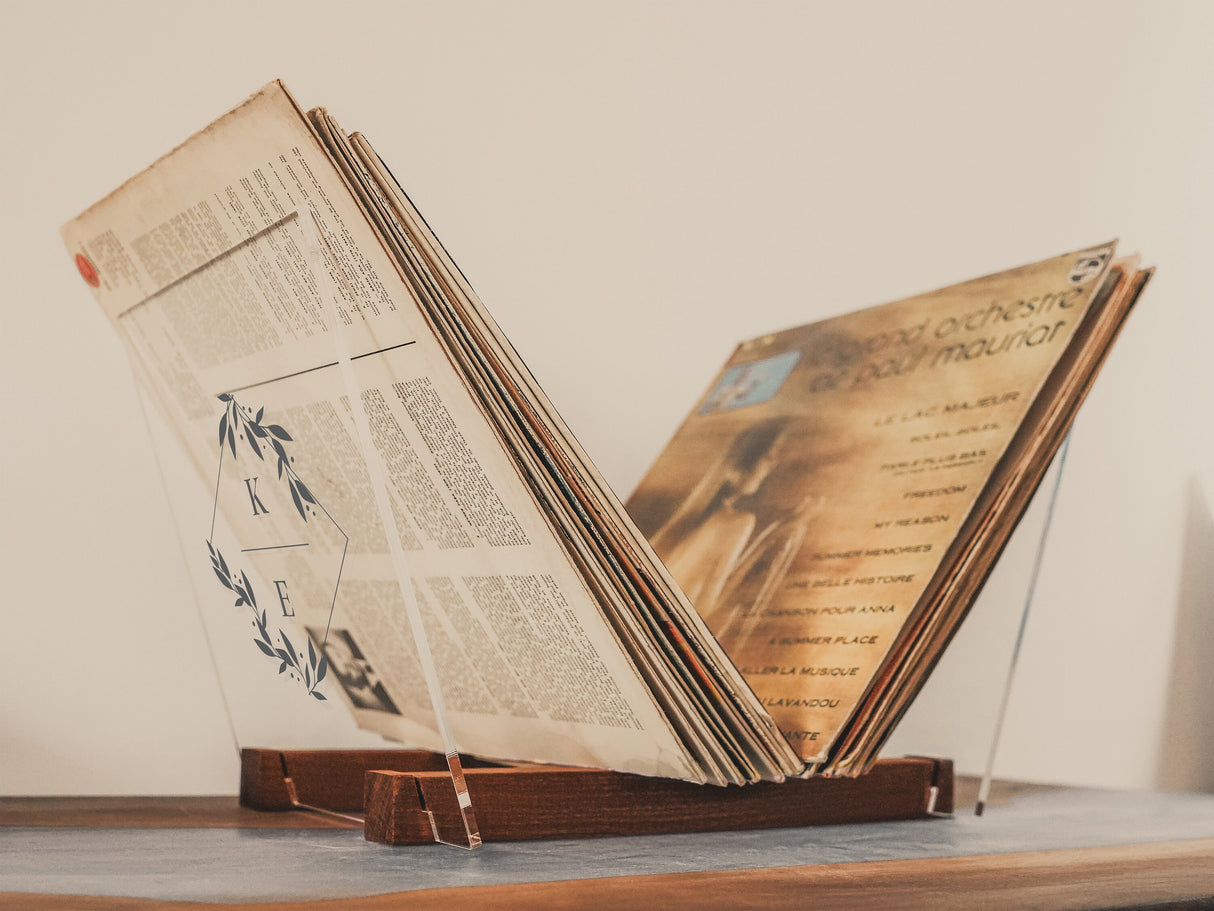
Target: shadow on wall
[1186, 757]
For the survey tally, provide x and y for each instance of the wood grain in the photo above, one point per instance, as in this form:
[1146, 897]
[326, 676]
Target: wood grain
[332, 779]
[552, 802]
[150, 813]
[403, 791]
[1163, 875]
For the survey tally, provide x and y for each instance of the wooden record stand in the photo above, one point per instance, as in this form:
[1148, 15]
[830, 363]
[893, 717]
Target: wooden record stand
[408, 798]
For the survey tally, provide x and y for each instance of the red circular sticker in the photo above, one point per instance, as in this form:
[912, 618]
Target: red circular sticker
[87, 272]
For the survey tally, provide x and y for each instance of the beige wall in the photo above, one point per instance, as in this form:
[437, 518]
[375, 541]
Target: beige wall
[633, 187]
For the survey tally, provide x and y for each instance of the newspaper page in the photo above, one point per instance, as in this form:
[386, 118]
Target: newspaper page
[205, 264]
[809, 500]
[700, 690]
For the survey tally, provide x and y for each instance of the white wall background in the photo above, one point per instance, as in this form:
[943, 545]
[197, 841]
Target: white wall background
[633, 187]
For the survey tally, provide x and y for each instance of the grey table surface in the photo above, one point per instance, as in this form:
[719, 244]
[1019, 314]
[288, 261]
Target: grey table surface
[249, 865]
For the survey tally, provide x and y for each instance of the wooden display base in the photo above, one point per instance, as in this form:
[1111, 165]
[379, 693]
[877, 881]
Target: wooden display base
[407, 795]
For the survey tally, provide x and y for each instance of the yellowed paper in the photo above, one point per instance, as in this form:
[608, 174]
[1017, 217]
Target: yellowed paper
[202, 263]
[809, 499]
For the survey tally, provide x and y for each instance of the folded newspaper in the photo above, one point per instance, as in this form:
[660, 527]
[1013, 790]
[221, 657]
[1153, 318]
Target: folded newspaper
[389, 474]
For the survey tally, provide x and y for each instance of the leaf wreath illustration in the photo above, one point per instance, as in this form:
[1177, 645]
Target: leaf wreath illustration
[309, 674]
[239, 419]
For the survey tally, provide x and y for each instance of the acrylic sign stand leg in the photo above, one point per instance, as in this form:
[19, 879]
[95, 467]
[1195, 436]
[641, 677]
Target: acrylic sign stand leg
[142, 384]
[984, 789]
[317, 247]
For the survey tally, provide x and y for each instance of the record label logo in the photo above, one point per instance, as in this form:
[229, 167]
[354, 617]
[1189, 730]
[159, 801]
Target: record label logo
[87, 271]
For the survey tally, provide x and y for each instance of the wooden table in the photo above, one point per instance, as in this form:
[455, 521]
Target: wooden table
[89, 833]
